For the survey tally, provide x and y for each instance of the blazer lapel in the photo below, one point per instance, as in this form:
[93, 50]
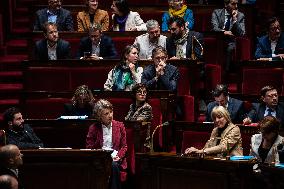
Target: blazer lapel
[114, 134]
[222, 18]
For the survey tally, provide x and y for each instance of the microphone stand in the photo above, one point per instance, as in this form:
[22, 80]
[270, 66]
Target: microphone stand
[152, 137]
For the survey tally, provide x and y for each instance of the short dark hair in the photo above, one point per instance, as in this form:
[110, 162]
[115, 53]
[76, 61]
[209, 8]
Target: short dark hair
[122, 6]
[220, 89]
[46, 24]
[9, 114]
[271, 21]
[269, 124]
[265, 89]
[159, 49]
[178, 20]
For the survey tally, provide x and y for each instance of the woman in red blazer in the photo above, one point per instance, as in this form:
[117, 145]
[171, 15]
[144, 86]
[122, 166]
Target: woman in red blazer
[110, 135]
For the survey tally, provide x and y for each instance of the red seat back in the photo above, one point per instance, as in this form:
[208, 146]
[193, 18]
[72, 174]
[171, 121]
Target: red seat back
[194, 139]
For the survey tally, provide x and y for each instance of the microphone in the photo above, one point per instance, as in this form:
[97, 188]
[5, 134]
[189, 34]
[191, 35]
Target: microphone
[198, 42]
[152, 137]
[4, 136]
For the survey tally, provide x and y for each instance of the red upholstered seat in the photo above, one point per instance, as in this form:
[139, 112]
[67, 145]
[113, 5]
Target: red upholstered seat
[121, 42]
[48, 79]
[255, 78]
[196, 139]
[120, 107]
[188, 108]
[46, 108]
[243, 46]
[184, 81]
[212, 76]
[94, 77]
[210, 51]
[246, 139]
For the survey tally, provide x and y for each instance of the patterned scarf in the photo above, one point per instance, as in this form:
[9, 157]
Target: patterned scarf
[179, 44]
[179, 13]
[122, 78]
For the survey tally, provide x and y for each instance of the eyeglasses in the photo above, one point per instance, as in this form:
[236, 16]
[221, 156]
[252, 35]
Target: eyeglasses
[140, 92]
[162, 58]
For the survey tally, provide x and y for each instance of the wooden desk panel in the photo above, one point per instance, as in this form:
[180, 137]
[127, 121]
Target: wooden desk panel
[167, 171]
[72, 169]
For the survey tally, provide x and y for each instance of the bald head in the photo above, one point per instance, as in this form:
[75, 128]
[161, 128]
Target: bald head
[10, 156]
[8, 182]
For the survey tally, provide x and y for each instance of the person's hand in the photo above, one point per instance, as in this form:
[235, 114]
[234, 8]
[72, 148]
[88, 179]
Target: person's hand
[160, 69]
[92, 57]
[228, 33]
[116, 158]
[264, 59]
[247, 121]
[191, 150]
[133, 29]
[131, 67]
[174, 58]
[234, 15]
[281, 56]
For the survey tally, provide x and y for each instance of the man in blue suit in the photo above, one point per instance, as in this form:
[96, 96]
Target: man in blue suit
[271, 46]
[270, 106]
[234, 106]
[160, 75]
[54, 13]
[96, 45]
[51, 48]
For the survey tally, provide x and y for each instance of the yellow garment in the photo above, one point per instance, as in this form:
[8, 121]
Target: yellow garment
[179, 13]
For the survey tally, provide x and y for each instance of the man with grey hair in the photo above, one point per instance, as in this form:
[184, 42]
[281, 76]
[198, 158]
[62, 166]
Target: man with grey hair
[96, 46]
[148, 41]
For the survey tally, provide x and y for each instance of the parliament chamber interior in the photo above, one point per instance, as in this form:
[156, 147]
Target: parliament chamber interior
[40, 88]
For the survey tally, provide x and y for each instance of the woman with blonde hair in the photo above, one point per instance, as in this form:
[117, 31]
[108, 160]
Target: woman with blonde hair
[225, 138]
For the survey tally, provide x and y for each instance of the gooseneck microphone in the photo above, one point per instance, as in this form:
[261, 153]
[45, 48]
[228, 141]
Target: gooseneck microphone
[152, 137]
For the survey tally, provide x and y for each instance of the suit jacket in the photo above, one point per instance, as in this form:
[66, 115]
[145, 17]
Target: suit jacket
[272, 155]
[230, 138]
[235, 108]
[142, 113]
[263, 47]
[171, 47]
[100, 17]
[95, 139]
[64, 20]
[24, 139]
[63, 50]
[107, 48]
[168, 81]
[258, 110]
[218, 20]
[133, 20]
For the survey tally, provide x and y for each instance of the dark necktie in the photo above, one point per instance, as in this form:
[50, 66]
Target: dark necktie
[269, 112]
[227, 24]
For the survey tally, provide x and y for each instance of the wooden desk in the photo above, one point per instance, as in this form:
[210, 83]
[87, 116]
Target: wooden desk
[72, 169]
[168, 171]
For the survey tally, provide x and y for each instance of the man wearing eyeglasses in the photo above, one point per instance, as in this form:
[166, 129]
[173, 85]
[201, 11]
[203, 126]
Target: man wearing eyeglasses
[271, 46]
[56, 14]
[160, 75]
[270, 106]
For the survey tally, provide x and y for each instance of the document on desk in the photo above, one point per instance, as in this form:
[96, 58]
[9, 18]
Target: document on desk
[67, 148]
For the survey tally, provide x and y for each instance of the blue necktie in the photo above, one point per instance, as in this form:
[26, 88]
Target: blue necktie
[227, 24]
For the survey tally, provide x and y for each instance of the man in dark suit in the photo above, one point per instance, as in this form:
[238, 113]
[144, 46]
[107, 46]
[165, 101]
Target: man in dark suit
[270, 106]
[51, 48]
[271, 46]
[231, 22]
[160, 75]
[18, 133]
[179, 44]
[96, 46]
[234, 106]
[10, 160]
[54, 13]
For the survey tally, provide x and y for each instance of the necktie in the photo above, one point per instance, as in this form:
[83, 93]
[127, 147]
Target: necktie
[227, 24]
[269, 112]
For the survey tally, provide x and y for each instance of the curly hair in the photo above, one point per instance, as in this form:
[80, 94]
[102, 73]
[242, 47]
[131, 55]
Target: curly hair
[83, 90]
